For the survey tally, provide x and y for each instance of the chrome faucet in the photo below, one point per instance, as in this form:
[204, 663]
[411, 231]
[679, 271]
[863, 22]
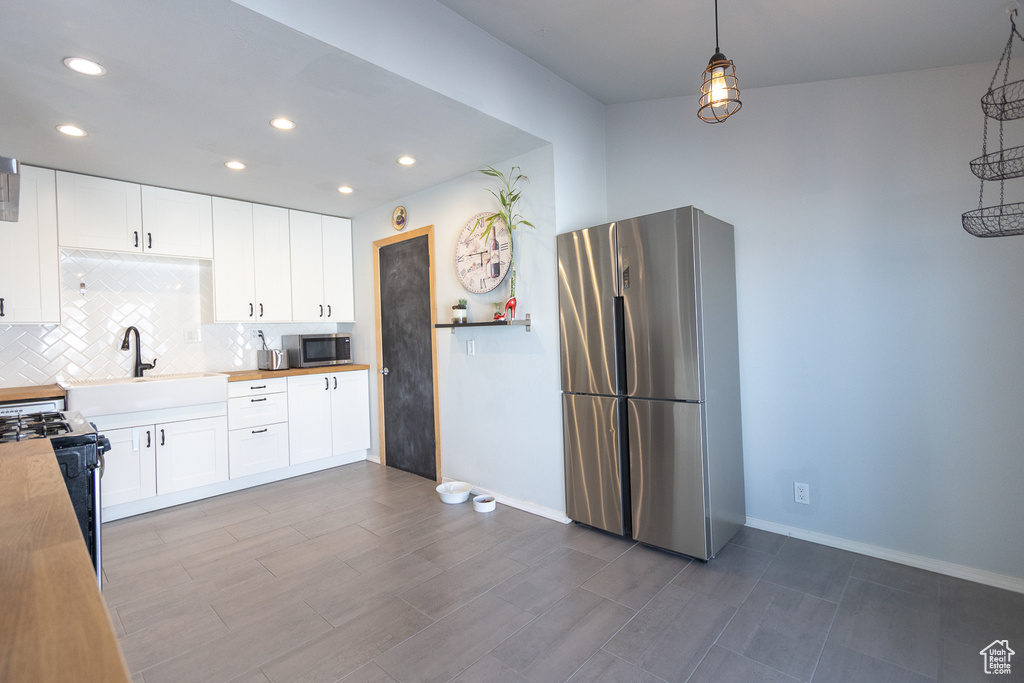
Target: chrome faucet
[140, 367]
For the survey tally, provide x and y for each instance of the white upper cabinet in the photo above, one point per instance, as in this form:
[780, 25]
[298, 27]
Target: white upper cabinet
[29, 257]
[251, 267]
[321, 256]
[177, 223]
[307, 266]
[271, 263]
[234, 282]
[99, 213]
[112, 215]
[338, 295]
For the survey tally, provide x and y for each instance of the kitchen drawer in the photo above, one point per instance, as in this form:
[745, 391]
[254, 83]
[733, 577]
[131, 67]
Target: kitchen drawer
[257, 386]
[257, 449]
[251, 411]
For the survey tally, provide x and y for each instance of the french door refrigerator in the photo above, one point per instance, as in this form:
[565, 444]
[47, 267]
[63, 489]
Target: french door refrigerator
[650, 380]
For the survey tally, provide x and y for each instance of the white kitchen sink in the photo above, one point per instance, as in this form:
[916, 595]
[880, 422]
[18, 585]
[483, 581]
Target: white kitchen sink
[152, 392]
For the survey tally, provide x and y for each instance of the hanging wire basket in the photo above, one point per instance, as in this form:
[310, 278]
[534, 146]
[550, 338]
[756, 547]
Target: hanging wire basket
[1005, 164]
[995, 221]
[1003, 103]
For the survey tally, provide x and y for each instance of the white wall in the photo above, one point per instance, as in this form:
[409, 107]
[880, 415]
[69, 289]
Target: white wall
[501, 423]
[880, 344]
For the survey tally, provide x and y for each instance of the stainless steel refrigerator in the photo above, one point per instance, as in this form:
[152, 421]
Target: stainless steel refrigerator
[650, 380]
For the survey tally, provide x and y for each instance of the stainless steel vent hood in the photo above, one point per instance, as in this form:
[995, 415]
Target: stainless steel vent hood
[10, 185]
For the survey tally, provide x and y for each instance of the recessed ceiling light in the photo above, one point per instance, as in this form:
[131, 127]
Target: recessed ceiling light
[282, 123]
[73, 131]
[345, 189]
[84, 66]
[235, 165]
[406, 161]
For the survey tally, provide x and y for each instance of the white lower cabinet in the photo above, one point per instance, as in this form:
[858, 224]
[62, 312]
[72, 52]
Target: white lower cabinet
[160, 452]
[258, 423]
[329, 414]
[190, 454]
[129, 472]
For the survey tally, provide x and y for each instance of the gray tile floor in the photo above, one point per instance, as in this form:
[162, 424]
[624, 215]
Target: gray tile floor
[361, 574]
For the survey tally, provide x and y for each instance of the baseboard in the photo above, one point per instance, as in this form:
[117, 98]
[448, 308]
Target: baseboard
[524, 505]
[959, 571]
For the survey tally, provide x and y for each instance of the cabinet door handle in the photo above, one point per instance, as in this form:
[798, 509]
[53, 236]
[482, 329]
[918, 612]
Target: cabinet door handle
[327, 383]
[259, 431]
[251, 310]
[261, 310]
[149, 439]
[335, 382]
[150, 236]
[321, 310]
[257, 400]
[162, 440]
[328, 310]
[136, 239]
[1, 307]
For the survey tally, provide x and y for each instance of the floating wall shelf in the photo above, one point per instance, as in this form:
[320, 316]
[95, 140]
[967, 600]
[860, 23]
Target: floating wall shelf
[489, 323]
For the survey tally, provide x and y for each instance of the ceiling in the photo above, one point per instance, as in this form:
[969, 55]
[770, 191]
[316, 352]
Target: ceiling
[652, 49]
[191, 85]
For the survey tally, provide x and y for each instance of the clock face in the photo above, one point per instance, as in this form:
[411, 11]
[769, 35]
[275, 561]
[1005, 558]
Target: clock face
[481, 264]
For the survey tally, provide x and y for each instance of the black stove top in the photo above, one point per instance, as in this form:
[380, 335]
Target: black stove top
[63, 429]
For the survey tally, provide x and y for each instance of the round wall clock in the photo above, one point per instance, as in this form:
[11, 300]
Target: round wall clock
[399, 217]
[481, 264]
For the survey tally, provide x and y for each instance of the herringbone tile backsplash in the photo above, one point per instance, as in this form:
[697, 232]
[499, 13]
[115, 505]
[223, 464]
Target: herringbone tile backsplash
[163, 297]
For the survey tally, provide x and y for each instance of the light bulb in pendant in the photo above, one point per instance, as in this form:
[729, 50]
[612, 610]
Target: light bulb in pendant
[719, 89]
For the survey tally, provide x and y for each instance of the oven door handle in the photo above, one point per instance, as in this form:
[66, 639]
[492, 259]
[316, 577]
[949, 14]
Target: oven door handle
[97, 519]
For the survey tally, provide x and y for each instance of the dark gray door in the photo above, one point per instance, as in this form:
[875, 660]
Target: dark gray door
[409, 439]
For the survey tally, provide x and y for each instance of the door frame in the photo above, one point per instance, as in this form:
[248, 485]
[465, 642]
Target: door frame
[428, 231]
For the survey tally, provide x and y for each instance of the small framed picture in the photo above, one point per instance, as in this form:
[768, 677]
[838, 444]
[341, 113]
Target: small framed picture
[399, 217]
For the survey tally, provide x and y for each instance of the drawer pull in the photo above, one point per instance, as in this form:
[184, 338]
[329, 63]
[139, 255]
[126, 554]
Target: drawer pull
[259, 431]
[262, 386]
[257, 400]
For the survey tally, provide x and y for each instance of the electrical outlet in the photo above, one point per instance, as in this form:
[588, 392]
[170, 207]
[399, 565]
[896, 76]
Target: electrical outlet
[470, 347]
[193, 336]
[801, 493]
[256, 335]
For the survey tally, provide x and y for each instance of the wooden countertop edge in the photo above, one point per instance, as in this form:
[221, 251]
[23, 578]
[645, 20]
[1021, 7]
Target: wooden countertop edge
[54, 625]
[33, 393]
[44, 391]
[247, 375]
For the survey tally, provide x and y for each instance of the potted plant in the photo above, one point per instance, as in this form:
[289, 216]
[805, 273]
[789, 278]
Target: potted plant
[508, 196]
[459, 311]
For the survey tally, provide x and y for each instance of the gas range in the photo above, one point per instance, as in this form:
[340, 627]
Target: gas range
[61, 428]
[79, 451]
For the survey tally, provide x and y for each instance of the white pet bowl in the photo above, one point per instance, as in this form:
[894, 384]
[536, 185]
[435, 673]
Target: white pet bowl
[454, 491]
[483, 503]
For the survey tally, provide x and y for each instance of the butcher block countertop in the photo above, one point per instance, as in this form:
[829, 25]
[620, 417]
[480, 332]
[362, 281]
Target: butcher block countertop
[248, 375]
[34, 393]
[54, 625]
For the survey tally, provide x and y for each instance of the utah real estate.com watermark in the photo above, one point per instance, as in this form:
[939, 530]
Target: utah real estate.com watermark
[997, 657]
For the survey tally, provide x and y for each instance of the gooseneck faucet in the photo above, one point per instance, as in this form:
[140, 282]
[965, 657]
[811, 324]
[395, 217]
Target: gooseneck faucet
[140, 367]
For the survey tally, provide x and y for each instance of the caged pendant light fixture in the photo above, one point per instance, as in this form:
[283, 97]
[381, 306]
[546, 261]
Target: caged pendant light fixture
[720, 94]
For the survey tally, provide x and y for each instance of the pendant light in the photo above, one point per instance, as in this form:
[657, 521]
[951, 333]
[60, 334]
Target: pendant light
[720, 94]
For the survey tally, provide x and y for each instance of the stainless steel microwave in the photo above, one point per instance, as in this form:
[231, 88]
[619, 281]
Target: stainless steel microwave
[317, 350]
